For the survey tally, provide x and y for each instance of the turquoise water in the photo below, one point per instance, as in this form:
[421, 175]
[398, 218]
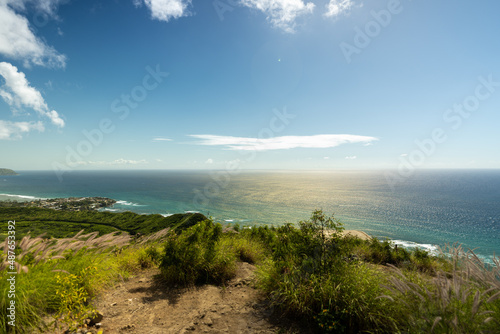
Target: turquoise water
[430, 208]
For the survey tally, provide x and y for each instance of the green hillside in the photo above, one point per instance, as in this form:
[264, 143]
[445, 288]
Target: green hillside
[59, 224]
[6, 171]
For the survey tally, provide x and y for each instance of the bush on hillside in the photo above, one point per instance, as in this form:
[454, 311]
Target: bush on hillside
[198, 256]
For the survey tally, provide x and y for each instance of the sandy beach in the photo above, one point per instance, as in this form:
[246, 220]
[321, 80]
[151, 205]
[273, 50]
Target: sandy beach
[355, 233]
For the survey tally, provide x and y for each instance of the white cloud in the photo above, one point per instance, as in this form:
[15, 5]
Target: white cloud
[281, 13]
[337, 7]
[209, 161]
[326, 158]
[120, 161]
[128, 162]
[352, 157]
[17, 40]
[14, 130]
[18, 93]
[47, 7]
[403, 155]
[164, 10]
[161, 139]
[281, 143]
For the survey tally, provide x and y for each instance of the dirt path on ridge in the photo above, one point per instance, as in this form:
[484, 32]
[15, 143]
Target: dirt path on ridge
[144, 304]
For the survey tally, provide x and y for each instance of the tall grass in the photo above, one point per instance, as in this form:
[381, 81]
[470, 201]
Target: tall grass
[312, 275]
[347, 285]
[246, 249]
[334, 284]
[198, 256]
[463, 300]
[59, 277]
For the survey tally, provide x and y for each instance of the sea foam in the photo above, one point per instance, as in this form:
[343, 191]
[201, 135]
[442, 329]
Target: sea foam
[128, 203]
[432, 249]
[21, 196]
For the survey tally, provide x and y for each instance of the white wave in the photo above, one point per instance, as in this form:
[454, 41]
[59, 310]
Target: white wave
[167, 214]
[489, 260]
[432, 249]
[108, 209]
[191, 211]
[128, 203]
[229, 220]
[20, 196]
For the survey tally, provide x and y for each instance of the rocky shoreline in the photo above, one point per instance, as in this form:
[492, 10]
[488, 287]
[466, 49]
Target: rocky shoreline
[71, 203]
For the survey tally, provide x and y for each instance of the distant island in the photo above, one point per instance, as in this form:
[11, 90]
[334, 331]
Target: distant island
[6, 171]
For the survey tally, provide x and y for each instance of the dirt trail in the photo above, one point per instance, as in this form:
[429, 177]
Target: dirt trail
[144, 304]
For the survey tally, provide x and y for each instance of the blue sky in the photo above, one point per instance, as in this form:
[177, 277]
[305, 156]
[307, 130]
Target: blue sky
[249, 84]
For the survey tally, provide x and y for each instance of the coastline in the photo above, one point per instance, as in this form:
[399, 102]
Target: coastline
[18, 198]
[357, 233]
[129, 205]
[360, 203]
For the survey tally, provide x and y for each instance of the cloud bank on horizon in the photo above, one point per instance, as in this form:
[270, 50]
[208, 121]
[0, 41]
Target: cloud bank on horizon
[116, 162]
[283, 142]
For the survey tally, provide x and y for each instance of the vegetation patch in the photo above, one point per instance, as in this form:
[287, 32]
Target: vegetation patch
[60, 223]
[198, 256]
[330, 282]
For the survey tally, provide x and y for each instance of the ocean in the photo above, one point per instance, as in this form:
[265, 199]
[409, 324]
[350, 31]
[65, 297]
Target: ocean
[428, 209]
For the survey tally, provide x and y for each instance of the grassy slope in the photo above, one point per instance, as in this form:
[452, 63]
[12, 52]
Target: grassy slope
[335, 285]
[60, 224]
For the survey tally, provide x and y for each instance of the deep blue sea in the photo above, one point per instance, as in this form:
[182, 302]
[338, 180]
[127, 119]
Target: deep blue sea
[430, 208]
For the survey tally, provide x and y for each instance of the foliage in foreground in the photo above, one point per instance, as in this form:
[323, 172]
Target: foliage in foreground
[59, 277]
[346, 285]
[463, 300]
[203, 254]
[315, 276]
[340, 284]
[335, 284]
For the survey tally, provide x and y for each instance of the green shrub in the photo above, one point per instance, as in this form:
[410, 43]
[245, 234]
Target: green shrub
[264, 234]
[246, 249]
[143, 258]
[310, 275]
[73, 292]
[198, 256]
